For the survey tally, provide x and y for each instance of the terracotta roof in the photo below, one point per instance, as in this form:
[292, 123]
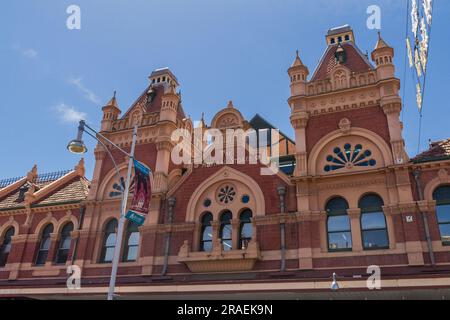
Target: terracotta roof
[74, 190]
[155, 104]
[438, 150]
[356, 61]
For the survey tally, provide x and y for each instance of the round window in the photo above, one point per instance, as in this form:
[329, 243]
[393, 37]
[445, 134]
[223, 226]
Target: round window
[226, 194]
[245, 198]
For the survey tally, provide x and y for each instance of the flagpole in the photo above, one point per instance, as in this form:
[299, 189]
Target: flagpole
[118, 247]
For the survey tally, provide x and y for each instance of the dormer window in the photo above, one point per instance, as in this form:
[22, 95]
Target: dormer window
[339, 39]
[347, 37]
[340, 55]
[332, 41]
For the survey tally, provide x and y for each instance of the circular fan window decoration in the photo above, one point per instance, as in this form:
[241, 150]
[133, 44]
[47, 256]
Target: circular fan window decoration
[226, 194]
[349, 157]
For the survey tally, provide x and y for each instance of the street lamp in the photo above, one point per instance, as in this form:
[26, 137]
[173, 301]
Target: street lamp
[77, 146]
[334, 284]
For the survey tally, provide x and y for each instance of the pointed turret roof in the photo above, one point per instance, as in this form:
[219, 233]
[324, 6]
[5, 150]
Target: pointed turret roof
[113, 102]
[297, 62]
[381, 43]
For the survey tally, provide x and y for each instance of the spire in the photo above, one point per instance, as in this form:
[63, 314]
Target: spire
[113, 101]
[381, 43]
[297, 62]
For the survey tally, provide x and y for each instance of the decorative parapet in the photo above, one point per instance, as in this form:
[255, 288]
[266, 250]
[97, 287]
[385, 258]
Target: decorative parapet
[219, 260]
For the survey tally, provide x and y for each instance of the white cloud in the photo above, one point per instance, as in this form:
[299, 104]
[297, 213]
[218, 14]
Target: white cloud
[69, 114]
[28, 53]
[88, 94]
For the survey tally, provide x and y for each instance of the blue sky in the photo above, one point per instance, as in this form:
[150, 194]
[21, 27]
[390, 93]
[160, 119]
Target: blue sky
[219, 50]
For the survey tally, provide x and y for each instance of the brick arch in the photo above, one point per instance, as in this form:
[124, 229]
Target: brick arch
[7, 225]
[111, 175]
[374, 138]
[227, 112]
[62, 222]
[222, 176]
[43, 223]
[433, 184]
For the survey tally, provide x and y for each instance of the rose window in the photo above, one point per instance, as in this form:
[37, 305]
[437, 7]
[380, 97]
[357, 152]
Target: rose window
[226, 194]
[349, 157]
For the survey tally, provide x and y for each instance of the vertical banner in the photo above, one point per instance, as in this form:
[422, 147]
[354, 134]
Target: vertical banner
[142, 192]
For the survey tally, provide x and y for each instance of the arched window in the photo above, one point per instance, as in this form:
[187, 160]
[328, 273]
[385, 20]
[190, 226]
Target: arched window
[64, 244]
[442, 197]
[44, 245]
[245, 229]
[130, 251]
[5, 248]
[109, 241]
[206, 233]
[338, 225]
[373, 223]
[225, 233]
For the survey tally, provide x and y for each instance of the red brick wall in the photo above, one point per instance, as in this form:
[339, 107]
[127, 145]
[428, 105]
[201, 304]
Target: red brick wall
[268, 186]
[370, 118]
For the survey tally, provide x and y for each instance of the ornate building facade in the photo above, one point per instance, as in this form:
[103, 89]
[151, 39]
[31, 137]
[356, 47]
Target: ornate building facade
[347, 196]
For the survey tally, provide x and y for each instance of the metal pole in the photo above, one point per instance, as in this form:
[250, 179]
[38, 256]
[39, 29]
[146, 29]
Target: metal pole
[117, 248]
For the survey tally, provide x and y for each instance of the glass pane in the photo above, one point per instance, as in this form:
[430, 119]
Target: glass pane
[445, 232]
[62, 256]
[42, 257]
[340, 240]
[337, 204]
[68, 228]
[374, 220]
[443, 213]
[226, 232]
[375, 239]
[134, 239]
[3, 258]
[45, 244]
[227, 245]
[338, 223]
[111, 240]
[207, 233]
[109, 254]
[207, 246]
[246, 231]
[65, 244]
[6, 248]
[132, 253]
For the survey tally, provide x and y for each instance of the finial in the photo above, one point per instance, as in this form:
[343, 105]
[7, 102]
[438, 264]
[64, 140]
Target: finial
[296, 51]
[379, 34]
[32, 175]
[114, 96]
[203, 116]
[230, 104]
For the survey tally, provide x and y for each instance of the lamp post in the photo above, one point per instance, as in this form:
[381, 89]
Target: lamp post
[77, 146]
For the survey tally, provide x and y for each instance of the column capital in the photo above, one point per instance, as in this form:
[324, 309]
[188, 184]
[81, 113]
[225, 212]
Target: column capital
[164, 145]
[354, 213]
[299, 120]
[392, 108]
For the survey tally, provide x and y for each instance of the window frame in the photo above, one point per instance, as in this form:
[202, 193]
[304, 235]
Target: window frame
[106, 234]
[40, 251]
[242, 223]
[223, 225]
[336, 213]
[441, 202]
[132, 227]
[6, 243]
[205, 225]
[61, 241]
[373, 209]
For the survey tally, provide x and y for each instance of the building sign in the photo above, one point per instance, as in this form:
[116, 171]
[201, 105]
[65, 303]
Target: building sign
[142, 191]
